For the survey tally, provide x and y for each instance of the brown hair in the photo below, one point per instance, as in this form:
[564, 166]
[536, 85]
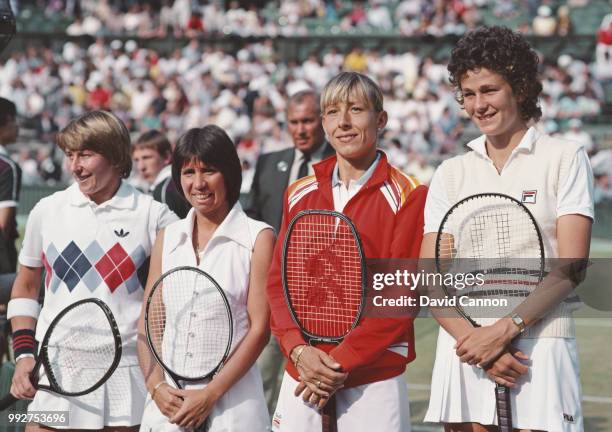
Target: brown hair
[101, 132]
[154, 140]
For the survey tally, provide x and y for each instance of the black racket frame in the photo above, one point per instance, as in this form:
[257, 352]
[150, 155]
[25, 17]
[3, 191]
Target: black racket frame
[502, 393]
[176, 378]
[43, 358]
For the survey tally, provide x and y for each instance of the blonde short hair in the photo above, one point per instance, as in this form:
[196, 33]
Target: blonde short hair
[101, 132]
[340, 87]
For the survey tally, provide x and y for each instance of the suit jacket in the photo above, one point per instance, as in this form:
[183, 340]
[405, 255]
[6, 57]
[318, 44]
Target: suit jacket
[271, 178]
[166, 192]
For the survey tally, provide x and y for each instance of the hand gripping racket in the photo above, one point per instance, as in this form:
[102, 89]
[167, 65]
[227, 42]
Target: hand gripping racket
[188, 324]
[324, 280]
[80, 351]
[497, 236]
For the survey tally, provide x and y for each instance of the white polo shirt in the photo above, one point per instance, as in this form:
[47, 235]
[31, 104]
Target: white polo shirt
[534, 165]
[91, 250]
[550, 176]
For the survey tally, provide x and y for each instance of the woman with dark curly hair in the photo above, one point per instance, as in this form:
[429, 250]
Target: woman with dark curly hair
[495, 74]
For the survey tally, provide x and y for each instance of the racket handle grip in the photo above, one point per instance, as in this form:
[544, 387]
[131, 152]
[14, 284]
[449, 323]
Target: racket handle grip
[7, 401]
[328, 416]
[504, 408]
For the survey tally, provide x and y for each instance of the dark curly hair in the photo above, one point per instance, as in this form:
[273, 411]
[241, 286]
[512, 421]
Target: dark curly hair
[505, 52]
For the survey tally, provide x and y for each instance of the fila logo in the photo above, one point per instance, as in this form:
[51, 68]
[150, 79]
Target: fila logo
[121, 233]
[529, 197]
[568, 418]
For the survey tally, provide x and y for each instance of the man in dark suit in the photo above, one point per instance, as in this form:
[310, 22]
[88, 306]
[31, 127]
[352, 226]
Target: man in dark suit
[273, 173]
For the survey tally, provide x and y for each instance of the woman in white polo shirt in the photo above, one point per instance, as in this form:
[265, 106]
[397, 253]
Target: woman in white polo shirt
[494, 72]
[219, 238]
[93, 239]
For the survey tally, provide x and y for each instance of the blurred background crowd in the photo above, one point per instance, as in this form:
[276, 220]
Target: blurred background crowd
[172, 65]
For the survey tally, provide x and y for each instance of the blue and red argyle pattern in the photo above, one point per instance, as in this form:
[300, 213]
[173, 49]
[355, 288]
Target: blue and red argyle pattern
[93, 266]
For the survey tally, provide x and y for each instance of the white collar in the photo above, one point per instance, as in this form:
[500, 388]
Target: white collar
[124, 198]
[234, 227]
[361, 180]
[161, 176]
[525, 146]
[3, 151]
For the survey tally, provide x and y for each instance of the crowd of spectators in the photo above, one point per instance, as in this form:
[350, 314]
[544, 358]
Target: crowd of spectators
[159, 18]
[245, 93]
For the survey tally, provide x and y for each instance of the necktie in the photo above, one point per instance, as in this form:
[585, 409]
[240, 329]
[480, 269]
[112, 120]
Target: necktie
[303, 171]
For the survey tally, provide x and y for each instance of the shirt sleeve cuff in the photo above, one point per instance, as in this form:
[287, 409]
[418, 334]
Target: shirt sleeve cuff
[345, 355]
[291, 339]
[30, 261]
[583, 211]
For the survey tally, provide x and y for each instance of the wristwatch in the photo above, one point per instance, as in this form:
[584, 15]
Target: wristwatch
[518, 321]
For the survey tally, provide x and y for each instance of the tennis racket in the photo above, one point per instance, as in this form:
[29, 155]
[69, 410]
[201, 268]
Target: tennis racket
[80, 351]
[324, 280]
[188, 324]
[497, 236]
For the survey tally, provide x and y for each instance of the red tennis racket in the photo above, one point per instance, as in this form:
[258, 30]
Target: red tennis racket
[324, 280]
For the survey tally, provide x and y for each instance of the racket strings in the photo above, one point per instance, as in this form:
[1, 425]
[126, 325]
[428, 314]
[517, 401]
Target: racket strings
[81, 349]
[323, 274]
[189, 324]
[496, 238]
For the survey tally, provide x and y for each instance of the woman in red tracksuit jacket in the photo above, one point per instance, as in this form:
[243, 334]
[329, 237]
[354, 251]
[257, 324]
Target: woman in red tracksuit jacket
[365, 370]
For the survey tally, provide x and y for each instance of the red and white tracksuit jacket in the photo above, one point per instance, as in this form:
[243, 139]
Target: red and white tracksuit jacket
[388, 214]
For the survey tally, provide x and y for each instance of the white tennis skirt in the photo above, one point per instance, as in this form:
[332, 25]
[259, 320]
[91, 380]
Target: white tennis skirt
[118, 402]
[547, 398]
[241, 408]
[378, 406]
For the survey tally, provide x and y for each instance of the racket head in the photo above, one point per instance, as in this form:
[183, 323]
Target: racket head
[323, 274]
[497, 236]
[188, 322]
[81, 348]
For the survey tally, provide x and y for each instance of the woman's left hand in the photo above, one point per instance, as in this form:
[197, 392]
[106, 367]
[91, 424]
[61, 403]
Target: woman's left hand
[197, 405]
[483, 345]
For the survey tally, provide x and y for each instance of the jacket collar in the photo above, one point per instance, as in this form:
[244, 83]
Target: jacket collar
[361, 180]
[324, 172]
[235, 227]
[124, 198]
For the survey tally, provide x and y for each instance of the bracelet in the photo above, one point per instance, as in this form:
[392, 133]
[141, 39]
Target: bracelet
[24, 342]
[158, 385]
[298, 355]
[22, 307]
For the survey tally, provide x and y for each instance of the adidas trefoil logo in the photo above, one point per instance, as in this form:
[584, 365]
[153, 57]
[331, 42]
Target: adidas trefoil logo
[121, 233]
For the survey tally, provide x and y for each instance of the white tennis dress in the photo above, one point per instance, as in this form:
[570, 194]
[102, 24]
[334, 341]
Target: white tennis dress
[227, 258]
[552, 178]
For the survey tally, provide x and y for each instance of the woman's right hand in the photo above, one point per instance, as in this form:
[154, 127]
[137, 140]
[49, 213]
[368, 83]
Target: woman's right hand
[508, 368]
[167, 403]
[320, 372]
[21, 386]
